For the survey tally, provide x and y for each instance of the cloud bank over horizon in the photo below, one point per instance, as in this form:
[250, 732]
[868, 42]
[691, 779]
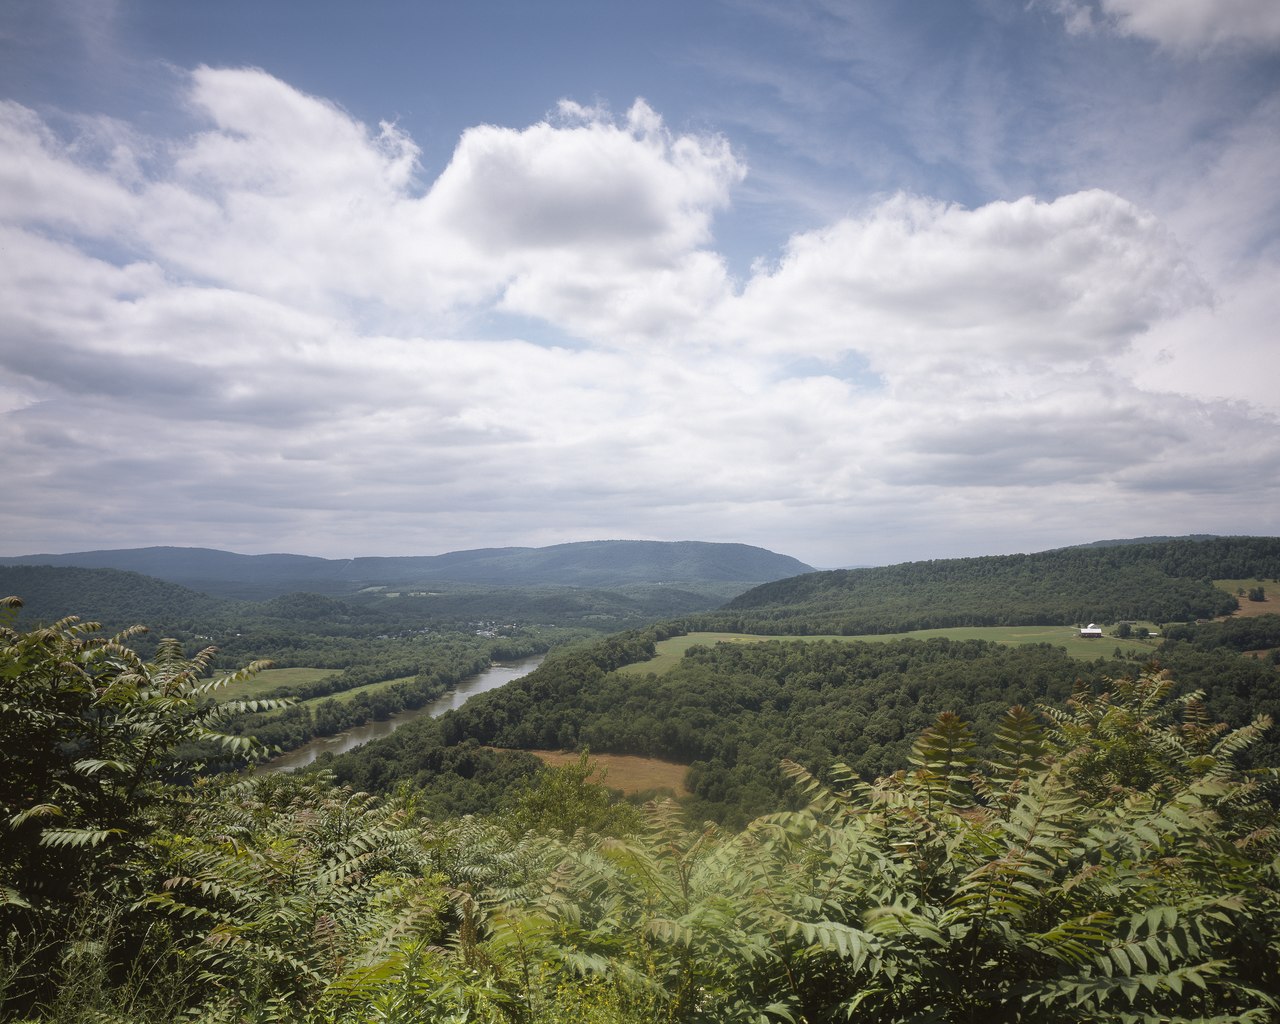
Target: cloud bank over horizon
[276, 329]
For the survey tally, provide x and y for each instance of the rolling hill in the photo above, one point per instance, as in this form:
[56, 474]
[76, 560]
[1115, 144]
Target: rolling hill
[114, 597]
[1160, 582]
[600, 564]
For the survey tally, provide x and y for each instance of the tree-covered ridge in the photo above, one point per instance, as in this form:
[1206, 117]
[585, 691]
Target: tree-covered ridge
[604, 564]
[1161, 582]
[1256, 633]
[1098, 859]
[119, 598]
[116, 597]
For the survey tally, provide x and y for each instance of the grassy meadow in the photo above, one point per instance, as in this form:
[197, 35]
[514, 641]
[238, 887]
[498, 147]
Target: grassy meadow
[272, 679]
[275, 678]
[355, 691]
[627, 773]
[1271, 606]
[669, 652]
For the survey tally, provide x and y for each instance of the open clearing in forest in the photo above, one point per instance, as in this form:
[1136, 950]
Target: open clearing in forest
[270, 679]
[1248, 609]
[669, 652]
[279, 678]
[345, 695]
[626, 772]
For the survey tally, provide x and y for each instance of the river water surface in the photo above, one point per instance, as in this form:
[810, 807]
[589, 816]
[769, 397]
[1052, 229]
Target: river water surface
[339, 743]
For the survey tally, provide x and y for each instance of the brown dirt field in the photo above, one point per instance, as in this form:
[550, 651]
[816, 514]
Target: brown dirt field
[627, 773]
[1248, 609]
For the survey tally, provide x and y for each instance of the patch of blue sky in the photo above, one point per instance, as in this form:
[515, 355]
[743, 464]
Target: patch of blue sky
[848, 366]
[496, 325]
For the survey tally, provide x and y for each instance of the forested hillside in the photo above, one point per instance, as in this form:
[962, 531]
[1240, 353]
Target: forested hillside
[117, 599]
[1161, 582]
[734, 711]
[608, 565]
[111, 596]
[603, 563]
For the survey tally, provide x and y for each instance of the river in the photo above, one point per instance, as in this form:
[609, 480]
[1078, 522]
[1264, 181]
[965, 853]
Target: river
[490, 679]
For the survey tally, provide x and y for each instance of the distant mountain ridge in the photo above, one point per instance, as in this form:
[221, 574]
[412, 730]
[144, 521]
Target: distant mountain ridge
[605, 563]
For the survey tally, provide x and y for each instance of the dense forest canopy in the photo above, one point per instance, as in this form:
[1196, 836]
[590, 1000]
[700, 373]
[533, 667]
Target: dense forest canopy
[733, 711]
[113, 596]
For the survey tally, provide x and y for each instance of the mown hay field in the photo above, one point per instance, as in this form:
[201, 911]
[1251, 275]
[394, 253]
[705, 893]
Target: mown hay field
[1248, 609]
[628, 773]
[669, 652]
[271, 679]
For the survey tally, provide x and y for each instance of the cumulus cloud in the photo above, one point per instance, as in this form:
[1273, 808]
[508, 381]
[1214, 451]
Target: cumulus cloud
[917, 285]
[586, 184]
[272, 333]
[596, 226]
[289, 196]
[285, 196]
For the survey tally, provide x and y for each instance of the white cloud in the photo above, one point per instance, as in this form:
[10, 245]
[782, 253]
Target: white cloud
[1225, 351]
[264, 335]
[587, 185]
[287, 196]
[595, 226]
[918, 285]
[1077, 16]
[1195, 24]
[40, 181]
[1187, 25]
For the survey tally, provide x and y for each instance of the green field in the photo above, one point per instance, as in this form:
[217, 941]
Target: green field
[276, 678]
[1233, 587]
[671, 651]
[345, 695]
[271, 679]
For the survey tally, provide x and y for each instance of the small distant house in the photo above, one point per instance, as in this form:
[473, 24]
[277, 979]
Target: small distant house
[1092, 631]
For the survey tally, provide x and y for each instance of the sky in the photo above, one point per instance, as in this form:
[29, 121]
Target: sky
[858, 281]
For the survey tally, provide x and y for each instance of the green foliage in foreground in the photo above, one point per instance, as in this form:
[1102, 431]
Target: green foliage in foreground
[1105, 861]
[88, 734]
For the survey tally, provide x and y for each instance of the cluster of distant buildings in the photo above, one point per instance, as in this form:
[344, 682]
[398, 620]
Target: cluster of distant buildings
[1094, 632]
